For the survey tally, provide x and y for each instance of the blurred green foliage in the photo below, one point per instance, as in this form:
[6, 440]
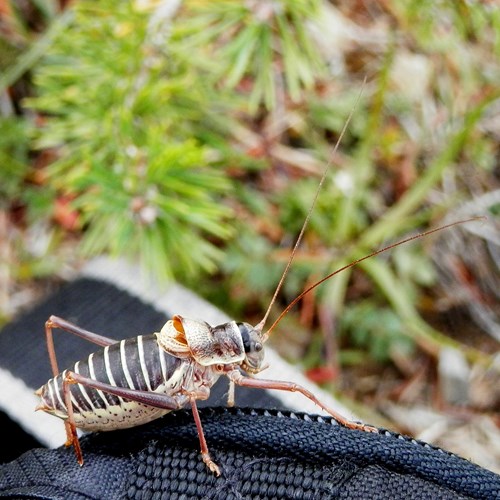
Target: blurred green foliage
[14, 152]
[376, 330]
[191, 136]
[126, 122]
[251, 40]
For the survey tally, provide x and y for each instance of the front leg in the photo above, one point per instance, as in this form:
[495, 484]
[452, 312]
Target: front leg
[239, 379]
[230, 394]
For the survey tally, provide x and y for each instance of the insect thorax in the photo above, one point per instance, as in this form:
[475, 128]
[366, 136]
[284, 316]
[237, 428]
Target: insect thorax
[208, 345]
[230, 343]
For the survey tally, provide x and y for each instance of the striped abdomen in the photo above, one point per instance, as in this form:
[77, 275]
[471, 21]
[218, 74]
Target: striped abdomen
[135, 363]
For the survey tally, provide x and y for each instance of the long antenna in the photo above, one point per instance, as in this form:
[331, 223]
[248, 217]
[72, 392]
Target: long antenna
[357, 261]
[260, 326]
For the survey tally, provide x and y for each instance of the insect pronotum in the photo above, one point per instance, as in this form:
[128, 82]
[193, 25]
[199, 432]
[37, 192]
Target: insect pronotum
[139, 379]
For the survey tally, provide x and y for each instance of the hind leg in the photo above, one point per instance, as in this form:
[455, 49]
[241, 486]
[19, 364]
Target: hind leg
[56, 322]
[154, 399]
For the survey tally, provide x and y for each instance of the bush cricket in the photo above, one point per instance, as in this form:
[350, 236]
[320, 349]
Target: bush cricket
[136, 380]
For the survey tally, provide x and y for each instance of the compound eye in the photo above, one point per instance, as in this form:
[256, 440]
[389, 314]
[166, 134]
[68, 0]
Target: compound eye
[258, 346]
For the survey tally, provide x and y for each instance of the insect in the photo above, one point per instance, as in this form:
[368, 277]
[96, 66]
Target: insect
[136, 380]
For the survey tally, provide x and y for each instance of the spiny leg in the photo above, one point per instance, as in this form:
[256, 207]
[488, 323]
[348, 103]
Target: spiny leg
[148, 398]
[154, 399]
[56, 322]
[202, 393]
[205, 455]
[243, 381]
[69, 423]
[230, 394]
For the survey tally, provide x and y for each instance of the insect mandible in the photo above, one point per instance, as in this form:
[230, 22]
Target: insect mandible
[136, 380]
